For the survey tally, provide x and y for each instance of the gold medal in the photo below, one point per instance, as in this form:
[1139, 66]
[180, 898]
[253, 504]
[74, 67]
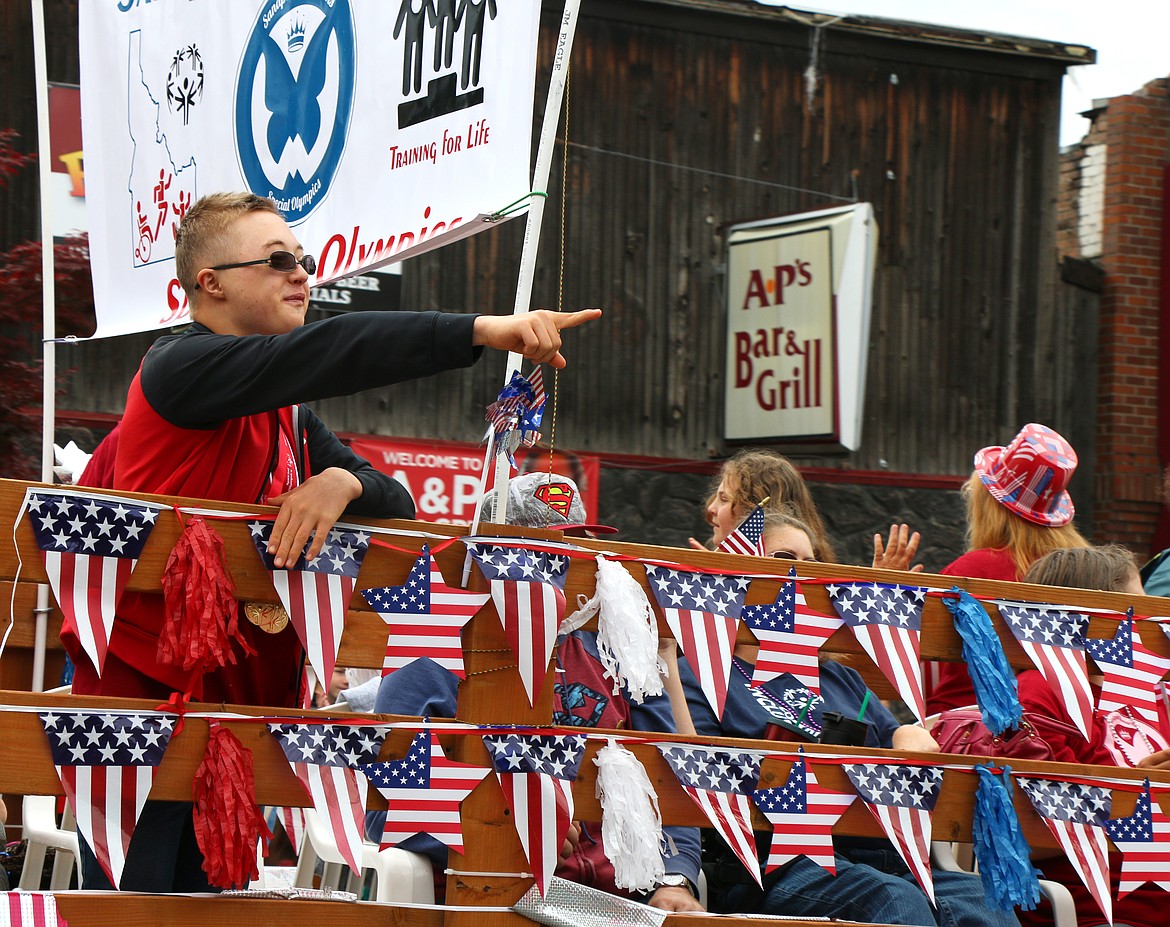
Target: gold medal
[269, 618]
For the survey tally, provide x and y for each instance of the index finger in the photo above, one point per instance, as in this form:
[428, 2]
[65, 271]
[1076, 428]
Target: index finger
[573, 319]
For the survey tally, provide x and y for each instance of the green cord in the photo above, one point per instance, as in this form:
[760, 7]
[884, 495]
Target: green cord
[515, 205]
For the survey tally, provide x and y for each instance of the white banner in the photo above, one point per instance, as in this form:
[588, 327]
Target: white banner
[382, 128]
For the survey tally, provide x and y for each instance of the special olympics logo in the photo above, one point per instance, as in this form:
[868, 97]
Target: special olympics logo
[294, 100]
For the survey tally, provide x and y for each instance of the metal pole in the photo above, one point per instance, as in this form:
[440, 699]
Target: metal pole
[49, 301]
[544, 155]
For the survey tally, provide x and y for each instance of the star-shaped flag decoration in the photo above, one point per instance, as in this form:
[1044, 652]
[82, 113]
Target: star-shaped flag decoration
[1054, 640]
[790, 635]
[326, 758]
[316, 593]
[528, 588]
[423, 791]
[89, 546]
[1077, 814]
[901, 798]
[106, 762]
[702, 610]
[721, 783]
[1144, 841]
[803, 813]
[424, 617]
[886, 619]
[536, 773]
[1132, 671]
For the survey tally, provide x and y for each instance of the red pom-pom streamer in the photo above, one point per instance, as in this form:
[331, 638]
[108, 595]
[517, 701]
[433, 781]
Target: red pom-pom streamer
[228, 824]
[201, 616]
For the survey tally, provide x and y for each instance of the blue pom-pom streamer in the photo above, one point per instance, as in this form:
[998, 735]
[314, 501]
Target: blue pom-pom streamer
[992, 676]
[1005, 863]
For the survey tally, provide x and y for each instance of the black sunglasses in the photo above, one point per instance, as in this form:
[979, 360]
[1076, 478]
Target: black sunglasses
[789, 555]
[284, 261]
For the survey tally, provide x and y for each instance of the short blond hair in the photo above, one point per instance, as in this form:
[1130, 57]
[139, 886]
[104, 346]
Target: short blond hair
[200, 240]
[756, 474]
[993, 525]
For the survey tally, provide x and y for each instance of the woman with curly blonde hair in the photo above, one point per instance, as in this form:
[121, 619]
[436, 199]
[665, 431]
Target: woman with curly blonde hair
[752, 476]
[756, 474]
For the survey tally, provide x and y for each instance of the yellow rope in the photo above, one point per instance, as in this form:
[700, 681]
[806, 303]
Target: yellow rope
[552, 436]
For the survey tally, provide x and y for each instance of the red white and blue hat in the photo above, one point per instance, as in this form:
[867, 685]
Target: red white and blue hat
[1030, 476]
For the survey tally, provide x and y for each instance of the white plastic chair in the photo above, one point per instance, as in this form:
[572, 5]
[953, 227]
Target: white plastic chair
[1064, 911]
[42, 831]
[401, 875]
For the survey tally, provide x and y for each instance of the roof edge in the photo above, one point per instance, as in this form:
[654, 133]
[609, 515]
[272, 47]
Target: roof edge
[1066, 53]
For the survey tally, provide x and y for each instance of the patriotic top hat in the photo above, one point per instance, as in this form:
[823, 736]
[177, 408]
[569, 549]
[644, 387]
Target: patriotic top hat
[1030, 476]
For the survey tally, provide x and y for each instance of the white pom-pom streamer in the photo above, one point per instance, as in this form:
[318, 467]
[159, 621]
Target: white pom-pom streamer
[631, 825]
[627, 631]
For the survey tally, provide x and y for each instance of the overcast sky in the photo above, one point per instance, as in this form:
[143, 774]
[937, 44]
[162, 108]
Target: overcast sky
[1132, 38]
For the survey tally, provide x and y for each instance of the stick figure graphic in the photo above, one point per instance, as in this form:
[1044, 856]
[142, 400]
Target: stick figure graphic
[444, 25]
[473, 37]
[411, 24]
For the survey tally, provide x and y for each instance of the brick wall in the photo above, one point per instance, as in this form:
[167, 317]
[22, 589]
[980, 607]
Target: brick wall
[1079, 210]
[1135, 131]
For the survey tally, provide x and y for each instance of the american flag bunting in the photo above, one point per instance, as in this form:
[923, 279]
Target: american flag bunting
[1054, 640]
[292, 819]
[528, 589]
[316, 594]
[90, 546]
[1132, 671]
[790, 636]
[326, 758]
[901, 798]
[748, 537]
[702, 610]
[887, 620]
[106, 762]
[423, 791]
[536, 773]
[30, 909]
[721, 783]
[1077, 814]
[424, 617]
[802, 813]
[1144, 841]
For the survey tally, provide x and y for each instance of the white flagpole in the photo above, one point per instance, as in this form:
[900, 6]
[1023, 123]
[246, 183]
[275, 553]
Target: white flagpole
[49, 301]
[544, 155]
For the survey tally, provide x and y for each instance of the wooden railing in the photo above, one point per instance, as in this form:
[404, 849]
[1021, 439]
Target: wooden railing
[491, 842]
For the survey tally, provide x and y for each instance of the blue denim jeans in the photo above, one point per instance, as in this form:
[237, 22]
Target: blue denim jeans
[163, 855]
[873, 884]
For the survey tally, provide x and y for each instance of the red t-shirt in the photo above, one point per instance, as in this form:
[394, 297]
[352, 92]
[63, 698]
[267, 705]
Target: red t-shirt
[948, 685]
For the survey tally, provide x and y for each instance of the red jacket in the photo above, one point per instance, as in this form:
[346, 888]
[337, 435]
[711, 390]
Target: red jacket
[1143, 907]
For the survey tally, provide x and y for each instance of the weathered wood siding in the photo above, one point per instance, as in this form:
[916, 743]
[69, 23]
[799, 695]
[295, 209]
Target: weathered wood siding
[686, 116]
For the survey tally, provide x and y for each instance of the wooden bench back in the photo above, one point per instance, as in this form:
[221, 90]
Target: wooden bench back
[491, 843]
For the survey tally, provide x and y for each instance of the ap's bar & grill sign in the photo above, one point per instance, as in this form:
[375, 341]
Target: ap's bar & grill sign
[799, 296]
